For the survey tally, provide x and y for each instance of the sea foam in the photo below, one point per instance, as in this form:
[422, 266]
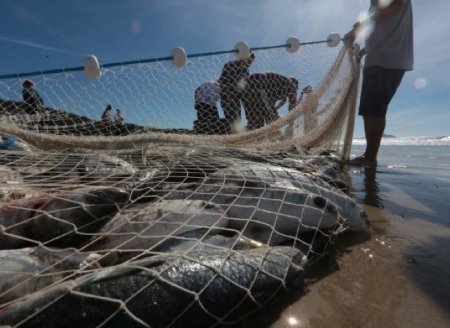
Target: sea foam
[409, 141]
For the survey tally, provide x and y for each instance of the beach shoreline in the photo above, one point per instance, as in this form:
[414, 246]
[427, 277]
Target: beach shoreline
[397, 276]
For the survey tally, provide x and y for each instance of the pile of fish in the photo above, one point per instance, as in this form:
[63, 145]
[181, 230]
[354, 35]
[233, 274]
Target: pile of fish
[161, 236]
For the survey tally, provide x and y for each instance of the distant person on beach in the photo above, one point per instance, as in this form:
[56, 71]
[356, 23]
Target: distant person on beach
[389, 54]
[33, 104]
[264, 94]
[118, 121]
[232, 77]
[206, 97]
[31, 98]
[106, 120]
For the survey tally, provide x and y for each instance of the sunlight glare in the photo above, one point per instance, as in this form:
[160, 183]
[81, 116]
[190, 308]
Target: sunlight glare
[420, 83]
[135, 26]
[384, 3]
[292, 321]
[362, 16]
[365, 28]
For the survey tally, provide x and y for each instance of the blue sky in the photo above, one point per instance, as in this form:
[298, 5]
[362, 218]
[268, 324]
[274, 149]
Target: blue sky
[39, 35]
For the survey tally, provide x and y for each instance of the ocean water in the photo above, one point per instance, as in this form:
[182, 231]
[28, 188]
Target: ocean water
[423, 155]
[411, 179]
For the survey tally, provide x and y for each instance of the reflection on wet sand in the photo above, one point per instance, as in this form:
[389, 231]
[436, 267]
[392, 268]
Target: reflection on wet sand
[397, 277]
[430, 263]
[368, 190]
[371, 187]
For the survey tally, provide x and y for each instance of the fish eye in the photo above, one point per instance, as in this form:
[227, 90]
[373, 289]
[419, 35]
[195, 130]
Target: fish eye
[319, 201]
[97, 196]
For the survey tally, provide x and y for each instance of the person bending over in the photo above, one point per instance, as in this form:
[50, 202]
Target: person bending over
[232, 77]
[264, 94]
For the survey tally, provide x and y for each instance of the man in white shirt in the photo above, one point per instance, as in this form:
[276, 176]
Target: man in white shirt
[206, 97]
[389, 54]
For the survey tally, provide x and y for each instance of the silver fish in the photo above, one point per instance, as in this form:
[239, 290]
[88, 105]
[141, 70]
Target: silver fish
[198, 289]
[147, 227]
[281, 209]
[295, 181]
[12, 186]
[26, 270]
[58, 219]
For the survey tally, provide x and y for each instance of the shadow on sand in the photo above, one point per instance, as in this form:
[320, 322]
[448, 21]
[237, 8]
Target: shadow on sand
[429, 267]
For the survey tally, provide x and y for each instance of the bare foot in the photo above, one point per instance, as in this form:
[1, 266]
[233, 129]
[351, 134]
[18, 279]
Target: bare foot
[362, 161]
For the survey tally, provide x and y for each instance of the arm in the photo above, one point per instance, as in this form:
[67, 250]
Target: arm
[292, 93]
[380, 16]
[292, 101]
[281, 103]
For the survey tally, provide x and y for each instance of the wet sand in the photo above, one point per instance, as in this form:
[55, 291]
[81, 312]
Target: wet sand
[396, 276]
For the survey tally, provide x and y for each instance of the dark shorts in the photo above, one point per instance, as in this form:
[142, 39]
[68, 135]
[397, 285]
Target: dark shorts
[378, 87]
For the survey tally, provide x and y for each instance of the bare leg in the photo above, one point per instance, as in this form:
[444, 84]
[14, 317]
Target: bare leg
[373, 128]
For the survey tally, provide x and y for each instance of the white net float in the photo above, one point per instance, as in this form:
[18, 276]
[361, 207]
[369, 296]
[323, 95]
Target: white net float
[179, 57]
[243, 51]
[333, 40]
[293, 44]
[91, 67]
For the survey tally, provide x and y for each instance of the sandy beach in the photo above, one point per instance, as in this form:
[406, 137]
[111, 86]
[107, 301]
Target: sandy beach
[395, 276]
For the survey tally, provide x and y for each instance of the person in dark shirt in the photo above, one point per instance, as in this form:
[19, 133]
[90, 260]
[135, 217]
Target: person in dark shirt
[264, 94]
[31, 98]
[233, 74]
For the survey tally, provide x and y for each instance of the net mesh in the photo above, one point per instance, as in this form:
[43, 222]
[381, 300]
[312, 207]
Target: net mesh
[172, 214]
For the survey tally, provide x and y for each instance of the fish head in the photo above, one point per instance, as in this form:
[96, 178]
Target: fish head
[100, 201]
[357, 219]
[353, 216]
[83, 205]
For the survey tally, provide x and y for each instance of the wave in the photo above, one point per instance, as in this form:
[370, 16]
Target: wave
[409, 141]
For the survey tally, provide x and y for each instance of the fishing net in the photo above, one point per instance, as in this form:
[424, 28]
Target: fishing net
[175, 216]
[157, 103]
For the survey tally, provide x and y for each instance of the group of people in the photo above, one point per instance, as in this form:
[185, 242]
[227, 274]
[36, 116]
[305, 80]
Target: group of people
[388, 55]
[33, 105]
[260, 94]
[110, 126]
